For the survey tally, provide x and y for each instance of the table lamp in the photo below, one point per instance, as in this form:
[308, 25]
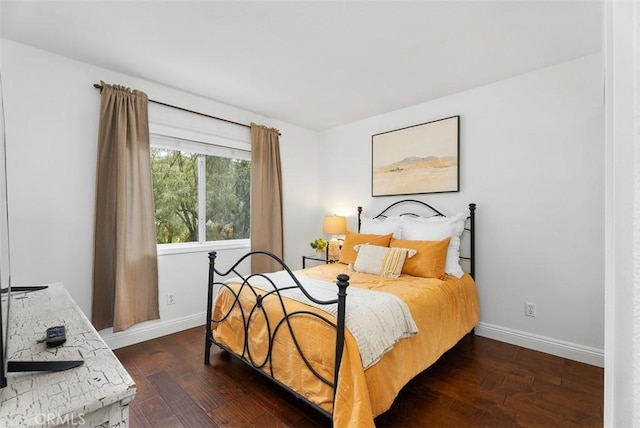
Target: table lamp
[334, 225]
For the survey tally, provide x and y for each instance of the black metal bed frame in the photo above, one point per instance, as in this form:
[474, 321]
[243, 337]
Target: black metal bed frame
[342, 284]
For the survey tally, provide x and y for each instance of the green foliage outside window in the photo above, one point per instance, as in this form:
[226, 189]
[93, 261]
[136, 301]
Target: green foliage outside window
[175, 191]
[228, 195]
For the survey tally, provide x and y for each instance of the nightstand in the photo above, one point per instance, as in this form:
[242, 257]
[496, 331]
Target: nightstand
[318, 257]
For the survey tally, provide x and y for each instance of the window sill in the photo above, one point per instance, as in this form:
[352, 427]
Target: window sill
[195, 247]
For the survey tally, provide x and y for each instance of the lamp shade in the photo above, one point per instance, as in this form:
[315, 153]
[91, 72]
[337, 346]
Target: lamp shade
[334, 225]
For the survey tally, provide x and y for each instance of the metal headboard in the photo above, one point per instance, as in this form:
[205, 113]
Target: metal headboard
[432, 212]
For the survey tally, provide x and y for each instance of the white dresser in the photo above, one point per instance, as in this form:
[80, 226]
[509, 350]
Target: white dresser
[96, 394]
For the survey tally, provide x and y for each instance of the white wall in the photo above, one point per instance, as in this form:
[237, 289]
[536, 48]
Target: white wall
[532, 159]
[531, 155]
[51, 122]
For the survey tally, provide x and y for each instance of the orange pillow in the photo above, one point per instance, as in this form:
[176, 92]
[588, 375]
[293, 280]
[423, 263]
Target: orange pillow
[348, 254]
[429, 260]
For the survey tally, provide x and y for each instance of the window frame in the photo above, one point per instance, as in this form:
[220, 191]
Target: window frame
[208, 145]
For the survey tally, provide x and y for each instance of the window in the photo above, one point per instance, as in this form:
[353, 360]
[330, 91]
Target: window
[201, 191]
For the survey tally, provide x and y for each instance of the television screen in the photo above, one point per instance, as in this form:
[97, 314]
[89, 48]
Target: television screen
[5, 275]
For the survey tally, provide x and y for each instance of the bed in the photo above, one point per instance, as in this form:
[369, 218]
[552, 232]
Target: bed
[409, 302]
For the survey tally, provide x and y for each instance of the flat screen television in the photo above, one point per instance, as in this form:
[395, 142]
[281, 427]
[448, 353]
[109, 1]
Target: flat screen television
[5, 274]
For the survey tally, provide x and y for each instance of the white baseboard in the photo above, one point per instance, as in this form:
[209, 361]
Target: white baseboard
[560, 348]
[151, 330]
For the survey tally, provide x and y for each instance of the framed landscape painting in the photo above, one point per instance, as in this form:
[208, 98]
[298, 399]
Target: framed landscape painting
[418, 159]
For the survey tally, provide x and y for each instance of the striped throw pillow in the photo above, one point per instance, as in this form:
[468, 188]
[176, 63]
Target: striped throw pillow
[381, 261]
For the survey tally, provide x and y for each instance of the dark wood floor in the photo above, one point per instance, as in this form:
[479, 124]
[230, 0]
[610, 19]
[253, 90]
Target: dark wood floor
[479, 383]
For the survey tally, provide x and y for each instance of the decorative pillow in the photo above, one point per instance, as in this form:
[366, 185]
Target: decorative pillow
[429, 260]
[348, 254]
[382, 226]
[382, 261]
[436, 229]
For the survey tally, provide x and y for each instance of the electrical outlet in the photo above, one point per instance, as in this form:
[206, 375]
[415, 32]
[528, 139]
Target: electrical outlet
[170, 299]
[530, 309]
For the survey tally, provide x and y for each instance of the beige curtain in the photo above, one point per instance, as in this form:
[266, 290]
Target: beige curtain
[125, 267]
[266, 197]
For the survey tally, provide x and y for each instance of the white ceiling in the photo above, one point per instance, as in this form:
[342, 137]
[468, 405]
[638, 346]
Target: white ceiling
[315, 64]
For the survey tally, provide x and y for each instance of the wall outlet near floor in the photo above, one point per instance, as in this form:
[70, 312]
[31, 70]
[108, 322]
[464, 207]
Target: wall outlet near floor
[170, 299]
[530, 309]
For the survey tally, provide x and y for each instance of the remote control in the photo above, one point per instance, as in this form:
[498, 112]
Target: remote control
[56, 336]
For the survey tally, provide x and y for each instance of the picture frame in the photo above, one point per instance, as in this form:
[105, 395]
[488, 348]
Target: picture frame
[418, 159]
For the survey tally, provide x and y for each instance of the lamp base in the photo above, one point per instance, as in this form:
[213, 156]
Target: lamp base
[334, 250]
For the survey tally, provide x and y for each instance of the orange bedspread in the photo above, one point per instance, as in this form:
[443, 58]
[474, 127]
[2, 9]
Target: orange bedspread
[444, 312]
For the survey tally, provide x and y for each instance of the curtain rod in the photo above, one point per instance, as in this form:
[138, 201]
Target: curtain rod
[99, 86]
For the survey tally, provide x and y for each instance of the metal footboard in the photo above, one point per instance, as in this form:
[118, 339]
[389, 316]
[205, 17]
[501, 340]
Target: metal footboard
[257, 295]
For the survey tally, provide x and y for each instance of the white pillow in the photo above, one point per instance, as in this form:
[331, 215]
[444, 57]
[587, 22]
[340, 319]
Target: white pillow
[382, 226]
[436, 229]
[382, 261]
